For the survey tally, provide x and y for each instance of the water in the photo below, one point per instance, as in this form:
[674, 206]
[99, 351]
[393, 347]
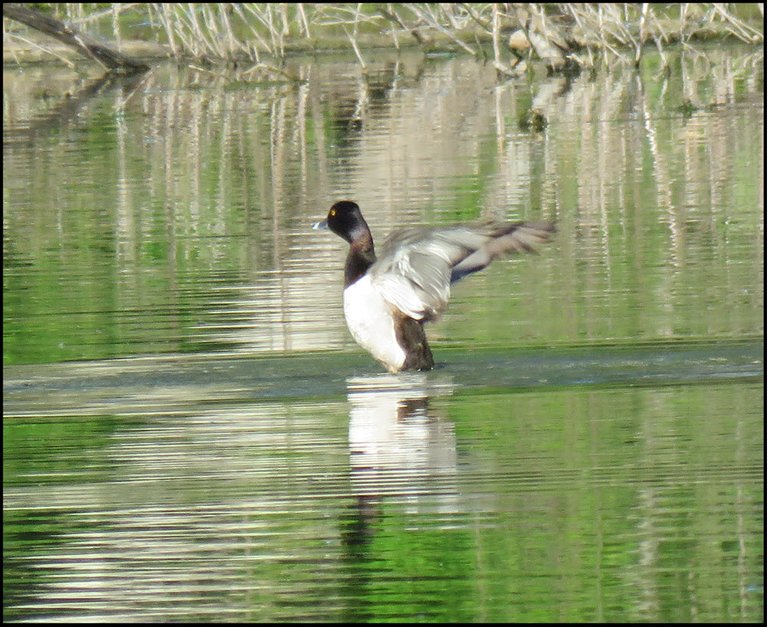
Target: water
[190, 433]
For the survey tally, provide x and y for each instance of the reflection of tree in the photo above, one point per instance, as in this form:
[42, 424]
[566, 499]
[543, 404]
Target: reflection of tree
[72, 105]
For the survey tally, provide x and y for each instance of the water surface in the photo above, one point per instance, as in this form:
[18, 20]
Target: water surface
[190, 433]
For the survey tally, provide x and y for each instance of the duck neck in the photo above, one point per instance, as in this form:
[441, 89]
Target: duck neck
[361, 257]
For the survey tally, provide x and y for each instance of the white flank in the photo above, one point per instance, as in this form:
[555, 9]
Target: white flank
[369, 318]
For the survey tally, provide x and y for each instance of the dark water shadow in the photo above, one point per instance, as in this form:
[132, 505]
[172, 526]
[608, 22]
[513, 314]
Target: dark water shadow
[190, 381]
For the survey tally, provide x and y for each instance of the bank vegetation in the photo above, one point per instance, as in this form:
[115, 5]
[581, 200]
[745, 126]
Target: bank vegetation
[508, 35]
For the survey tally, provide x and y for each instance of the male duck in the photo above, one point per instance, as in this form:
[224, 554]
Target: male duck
[387, 299]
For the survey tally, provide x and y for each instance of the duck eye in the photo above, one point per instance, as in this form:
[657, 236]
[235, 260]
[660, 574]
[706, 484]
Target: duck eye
[333, 212]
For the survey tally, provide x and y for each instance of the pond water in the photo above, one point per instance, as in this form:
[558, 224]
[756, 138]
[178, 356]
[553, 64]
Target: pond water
[190, 433]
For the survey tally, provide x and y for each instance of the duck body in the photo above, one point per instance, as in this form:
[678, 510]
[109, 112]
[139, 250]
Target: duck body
[395, 339]
[387, 299]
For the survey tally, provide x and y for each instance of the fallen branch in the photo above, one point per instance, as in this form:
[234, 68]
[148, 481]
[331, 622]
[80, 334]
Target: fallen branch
[106, 57]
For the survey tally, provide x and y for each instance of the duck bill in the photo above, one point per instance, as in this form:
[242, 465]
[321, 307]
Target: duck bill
[320, 226]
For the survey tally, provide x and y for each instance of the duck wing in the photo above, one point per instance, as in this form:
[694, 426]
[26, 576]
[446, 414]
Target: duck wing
[416, 267]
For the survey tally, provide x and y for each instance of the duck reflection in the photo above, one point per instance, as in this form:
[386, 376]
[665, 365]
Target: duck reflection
[400, 448]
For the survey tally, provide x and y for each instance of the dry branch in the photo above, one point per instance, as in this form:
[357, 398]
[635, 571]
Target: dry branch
[108, 58]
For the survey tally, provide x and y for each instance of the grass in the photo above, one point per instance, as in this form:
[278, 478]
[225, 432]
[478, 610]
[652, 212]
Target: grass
[563, 36]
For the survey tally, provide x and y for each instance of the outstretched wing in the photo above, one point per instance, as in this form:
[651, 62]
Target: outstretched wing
[415, 267]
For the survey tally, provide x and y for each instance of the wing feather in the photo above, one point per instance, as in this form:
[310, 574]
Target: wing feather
[416, 267]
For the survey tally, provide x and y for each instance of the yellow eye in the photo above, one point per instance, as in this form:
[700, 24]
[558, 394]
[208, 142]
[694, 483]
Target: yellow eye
[333, 212]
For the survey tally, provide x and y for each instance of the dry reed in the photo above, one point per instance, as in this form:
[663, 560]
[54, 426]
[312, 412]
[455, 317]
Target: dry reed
[561, 35]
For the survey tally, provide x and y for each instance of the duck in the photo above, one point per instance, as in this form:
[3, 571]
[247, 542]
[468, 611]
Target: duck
[389, 297]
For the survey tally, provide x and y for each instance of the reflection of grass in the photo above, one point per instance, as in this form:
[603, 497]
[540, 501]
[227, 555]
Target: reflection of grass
[55, 448]
[151, 243]
[639, 467]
